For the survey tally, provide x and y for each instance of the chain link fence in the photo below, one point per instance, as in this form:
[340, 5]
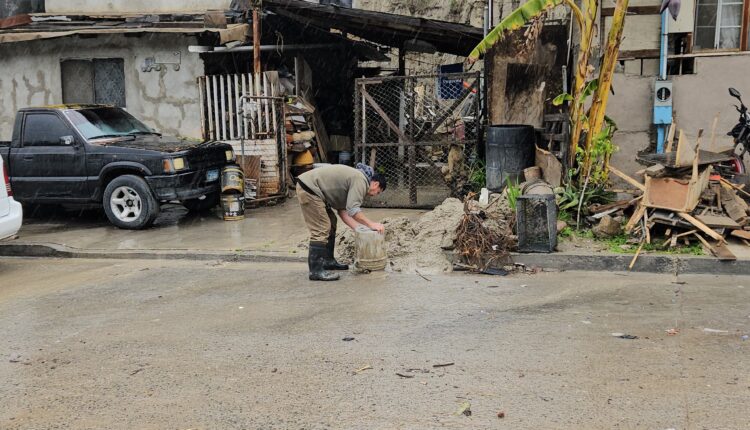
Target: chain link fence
[417, 131]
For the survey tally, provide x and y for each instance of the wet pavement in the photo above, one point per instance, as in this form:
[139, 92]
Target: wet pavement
[278, 228]
[111, 344]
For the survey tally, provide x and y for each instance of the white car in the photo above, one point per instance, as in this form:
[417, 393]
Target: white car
[11, 214]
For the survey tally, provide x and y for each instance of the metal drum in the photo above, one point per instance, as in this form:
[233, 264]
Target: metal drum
[371, 253]
[233, 206]
[232, 179]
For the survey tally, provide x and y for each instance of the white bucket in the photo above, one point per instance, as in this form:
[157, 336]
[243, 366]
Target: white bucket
[371, 253]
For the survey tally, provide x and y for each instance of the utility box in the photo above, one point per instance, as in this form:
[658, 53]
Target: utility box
[663, 102]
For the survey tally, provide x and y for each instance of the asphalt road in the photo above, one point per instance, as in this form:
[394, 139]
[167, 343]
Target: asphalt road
[108, 344]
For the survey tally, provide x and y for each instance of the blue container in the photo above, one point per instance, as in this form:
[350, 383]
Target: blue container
[345, 157]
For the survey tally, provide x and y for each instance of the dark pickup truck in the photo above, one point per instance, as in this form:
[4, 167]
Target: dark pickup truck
[88, 154]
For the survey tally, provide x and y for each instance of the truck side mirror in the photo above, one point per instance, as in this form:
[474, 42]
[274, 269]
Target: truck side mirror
[67, 140]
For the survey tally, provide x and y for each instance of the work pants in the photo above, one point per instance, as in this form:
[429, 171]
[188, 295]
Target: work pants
[319, 217]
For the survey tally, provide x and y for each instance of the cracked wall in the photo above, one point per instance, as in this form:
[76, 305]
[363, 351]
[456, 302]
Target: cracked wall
[166, 100]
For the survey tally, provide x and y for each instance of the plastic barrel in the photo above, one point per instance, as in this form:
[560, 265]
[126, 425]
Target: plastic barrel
[371, 253]
[233, 207]
[509, 150]
[232, 179]
[345, 157]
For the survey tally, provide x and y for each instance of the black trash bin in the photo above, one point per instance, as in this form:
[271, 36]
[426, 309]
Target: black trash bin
[508, 150]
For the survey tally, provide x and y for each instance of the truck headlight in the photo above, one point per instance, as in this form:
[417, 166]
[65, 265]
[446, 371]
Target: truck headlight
[172, 165]
[230, 155]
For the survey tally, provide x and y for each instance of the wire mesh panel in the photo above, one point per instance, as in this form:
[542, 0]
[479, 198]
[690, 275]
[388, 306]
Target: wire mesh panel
[407, 127]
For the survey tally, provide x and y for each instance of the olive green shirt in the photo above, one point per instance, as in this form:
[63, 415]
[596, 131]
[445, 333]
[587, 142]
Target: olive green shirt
[341, 187]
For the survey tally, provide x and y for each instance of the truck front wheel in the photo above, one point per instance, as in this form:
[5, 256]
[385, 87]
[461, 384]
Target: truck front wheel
[129, 203]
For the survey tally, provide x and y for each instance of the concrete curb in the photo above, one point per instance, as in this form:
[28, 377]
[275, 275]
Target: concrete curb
[662, 264]
[53, 250]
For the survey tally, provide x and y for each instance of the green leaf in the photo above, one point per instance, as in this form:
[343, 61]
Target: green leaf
[589, 89]
[517, 19]
[562, 98]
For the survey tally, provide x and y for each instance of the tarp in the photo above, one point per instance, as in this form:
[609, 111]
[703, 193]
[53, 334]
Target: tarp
[233, 32]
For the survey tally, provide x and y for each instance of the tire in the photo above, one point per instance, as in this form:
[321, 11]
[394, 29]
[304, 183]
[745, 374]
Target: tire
[129, 203]
[198, 205]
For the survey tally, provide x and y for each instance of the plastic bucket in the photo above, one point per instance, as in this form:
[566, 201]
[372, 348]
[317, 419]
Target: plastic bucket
[371, 253]
[233, 207]
[232, 179]
[509, 150]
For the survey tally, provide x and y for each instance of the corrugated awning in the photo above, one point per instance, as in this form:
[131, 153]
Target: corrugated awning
[233, 32]
[412, 33]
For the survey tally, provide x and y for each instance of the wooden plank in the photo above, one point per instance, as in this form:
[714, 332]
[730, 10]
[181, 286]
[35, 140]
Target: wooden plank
[719, 250]
[627, 178]
[238, 107]
[635, 257]
[736, 187]
[702, 227]
[742, 234]
[670, 136]
[217, 116]
[636, 218]
[718, 221]
[230, 104]
[223, 96]
[385, 117]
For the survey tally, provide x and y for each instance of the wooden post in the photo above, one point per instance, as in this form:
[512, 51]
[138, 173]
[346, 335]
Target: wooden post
[256, 40]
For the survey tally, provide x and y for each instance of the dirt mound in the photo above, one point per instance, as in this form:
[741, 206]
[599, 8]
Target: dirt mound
[419, 244]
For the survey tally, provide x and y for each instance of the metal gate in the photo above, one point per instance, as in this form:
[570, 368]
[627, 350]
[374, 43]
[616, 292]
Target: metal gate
[405, 126]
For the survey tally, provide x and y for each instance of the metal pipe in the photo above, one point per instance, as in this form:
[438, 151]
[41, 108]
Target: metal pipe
[664, 46]
[486, 18]
[661, 130]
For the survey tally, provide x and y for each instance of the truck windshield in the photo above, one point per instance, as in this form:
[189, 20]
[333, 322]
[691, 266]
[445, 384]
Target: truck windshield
[104, 122]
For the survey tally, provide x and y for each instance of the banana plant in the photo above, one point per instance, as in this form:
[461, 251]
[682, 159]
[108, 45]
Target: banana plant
[582, 121]
[527, 12]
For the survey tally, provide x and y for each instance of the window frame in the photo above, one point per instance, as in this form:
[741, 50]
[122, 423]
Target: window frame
[24, 128]
[93, 61]
[744, 22]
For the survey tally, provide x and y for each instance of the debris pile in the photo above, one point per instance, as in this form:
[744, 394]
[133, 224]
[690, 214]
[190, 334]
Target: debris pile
[480, 235]
[485, 233]
[685, 197]
[416, 244]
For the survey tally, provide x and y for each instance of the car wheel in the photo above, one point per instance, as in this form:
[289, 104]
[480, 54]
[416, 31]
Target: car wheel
[129, 203]
[197, 205]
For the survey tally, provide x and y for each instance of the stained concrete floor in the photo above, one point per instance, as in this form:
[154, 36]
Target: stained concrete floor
[110, 344]
[278, 228]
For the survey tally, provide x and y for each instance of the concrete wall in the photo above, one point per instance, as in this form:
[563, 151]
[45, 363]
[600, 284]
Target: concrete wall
[166, 100]
[17, 7]
[697, 100]
[133, 6]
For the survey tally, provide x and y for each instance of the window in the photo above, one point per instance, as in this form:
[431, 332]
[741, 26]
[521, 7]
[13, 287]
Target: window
[718, 24]
[44, 129]
[100, 81]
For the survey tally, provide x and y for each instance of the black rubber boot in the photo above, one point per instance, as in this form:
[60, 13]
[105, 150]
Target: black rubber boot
[316, 259]
[331, 263]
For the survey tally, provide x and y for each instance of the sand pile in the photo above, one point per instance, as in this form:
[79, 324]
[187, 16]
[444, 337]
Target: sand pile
[419, 244]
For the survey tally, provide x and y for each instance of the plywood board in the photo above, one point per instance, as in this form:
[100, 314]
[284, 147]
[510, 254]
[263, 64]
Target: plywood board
[717, 221]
